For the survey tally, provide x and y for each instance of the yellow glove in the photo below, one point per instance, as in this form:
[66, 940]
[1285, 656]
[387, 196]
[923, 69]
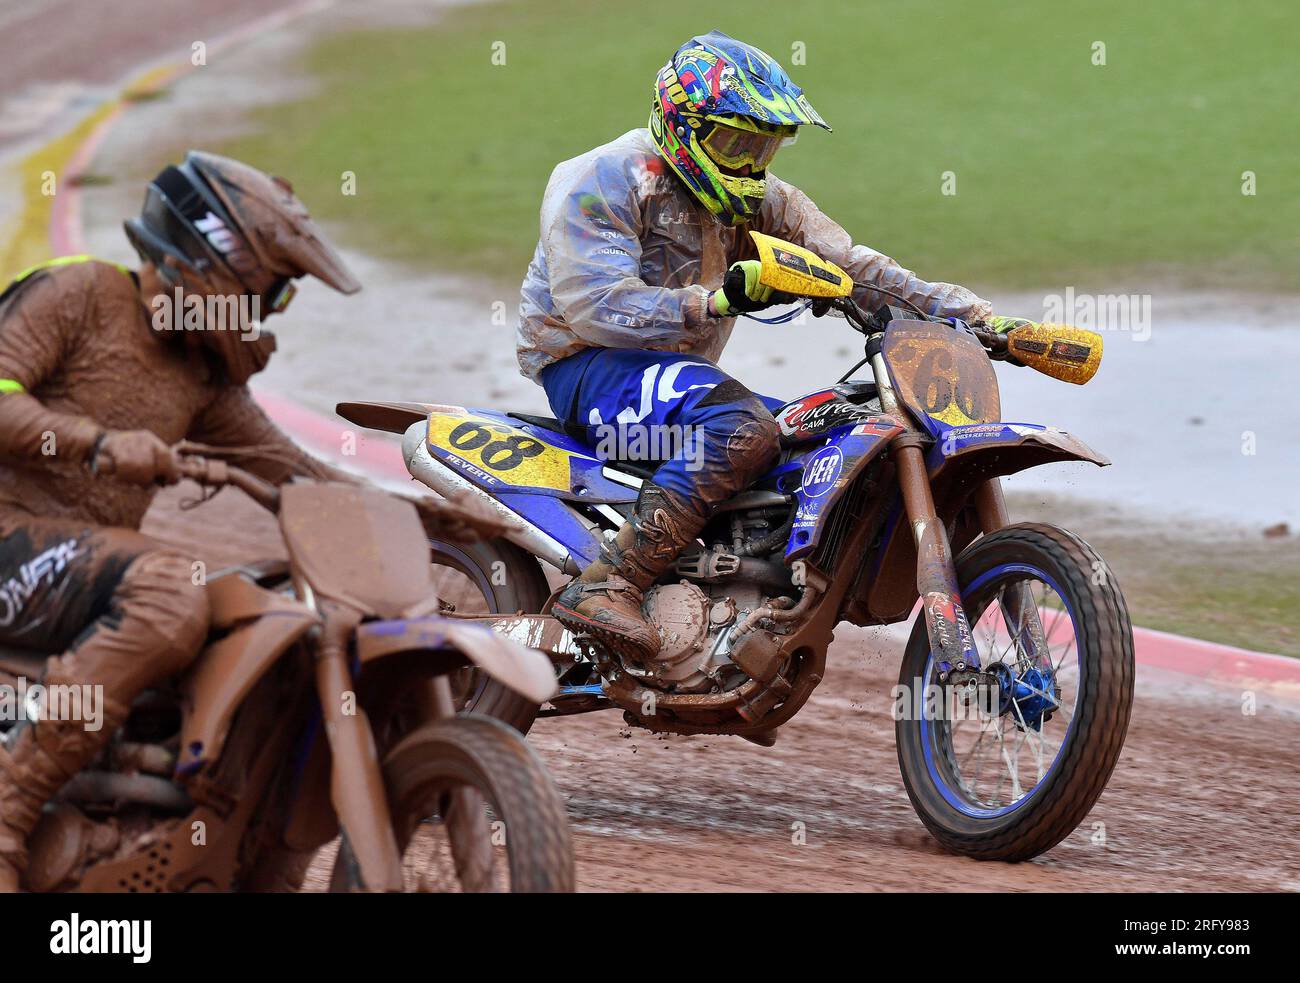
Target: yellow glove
[741, 292]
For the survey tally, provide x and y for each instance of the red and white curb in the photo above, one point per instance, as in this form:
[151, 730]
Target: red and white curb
[1215, 662]
[373, 456]
[381, 460]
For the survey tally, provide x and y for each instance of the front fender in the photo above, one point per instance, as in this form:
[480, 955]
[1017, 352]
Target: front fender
[959, 462]
[525, 670]
[1004, 448]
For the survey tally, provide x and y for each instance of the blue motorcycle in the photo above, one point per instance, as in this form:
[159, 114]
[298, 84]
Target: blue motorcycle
[1016, 683]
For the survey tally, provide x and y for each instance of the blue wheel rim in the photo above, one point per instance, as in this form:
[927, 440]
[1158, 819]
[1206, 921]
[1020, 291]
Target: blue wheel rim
[465, 566]
[955, 797]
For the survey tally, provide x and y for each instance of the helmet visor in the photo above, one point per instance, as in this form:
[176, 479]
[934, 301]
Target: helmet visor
[734, 150]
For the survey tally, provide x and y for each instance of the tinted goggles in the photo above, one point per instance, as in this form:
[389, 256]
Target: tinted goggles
[734, 149]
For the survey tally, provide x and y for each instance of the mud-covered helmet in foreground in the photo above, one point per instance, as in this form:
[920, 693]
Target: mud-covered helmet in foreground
[721, 110]
[217, 227]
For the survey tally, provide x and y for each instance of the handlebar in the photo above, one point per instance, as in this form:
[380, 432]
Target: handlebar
[994, 343]
[213, 473]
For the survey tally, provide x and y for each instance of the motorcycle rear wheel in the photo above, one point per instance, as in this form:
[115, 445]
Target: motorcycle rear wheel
[1019, 815]
[493, 577]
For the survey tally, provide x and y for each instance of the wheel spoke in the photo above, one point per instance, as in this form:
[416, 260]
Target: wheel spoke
[1021, 749]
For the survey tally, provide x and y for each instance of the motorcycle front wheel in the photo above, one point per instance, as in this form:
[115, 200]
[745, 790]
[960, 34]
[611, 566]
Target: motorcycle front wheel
[474, 811]
[1007, 767]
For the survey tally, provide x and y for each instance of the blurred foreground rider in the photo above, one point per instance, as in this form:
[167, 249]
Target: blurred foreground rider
[101, 370]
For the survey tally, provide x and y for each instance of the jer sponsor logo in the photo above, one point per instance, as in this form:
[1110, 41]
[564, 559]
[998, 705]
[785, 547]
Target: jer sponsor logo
[102, 937]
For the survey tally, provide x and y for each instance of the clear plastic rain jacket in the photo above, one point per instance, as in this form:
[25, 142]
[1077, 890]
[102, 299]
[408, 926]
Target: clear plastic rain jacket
[628, 257]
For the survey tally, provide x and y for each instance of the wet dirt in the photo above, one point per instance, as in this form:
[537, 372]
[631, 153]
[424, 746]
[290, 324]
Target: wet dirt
[1200, 799]
[825, 808]
[1203, 797]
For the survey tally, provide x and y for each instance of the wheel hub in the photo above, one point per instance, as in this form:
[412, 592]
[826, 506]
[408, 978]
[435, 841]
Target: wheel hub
[1031, 697]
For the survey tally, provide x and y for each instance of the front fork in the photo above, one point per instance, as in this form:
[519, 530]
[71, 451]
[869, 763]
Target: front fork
[1019, 610]
[356, 782]
[936, 574]
[949, 632]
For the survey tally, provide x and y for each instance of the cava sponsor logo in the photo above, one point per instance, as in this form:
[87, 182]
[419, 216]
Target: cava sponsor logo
[102, 937]
[815, 414]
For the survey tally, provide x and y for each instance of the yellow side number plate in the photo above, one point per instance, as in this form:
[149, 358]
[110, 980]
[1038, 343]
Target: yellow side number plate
[504, 453]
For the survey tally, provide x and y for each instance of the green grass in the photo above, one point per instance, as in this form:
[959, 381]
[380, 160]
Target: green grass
[1065, 170]
[1239, 590]
[1244, 594]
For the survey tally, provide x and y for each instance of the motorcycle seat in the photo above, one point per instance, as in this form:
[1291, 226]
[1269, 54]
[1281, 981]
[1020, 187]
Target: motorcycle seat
[551, 424]
[641, 470]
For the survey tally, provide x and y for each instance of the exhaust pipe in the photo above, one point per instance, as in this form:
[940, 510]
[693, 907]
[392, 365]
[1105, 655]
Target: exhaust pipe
[445, 481]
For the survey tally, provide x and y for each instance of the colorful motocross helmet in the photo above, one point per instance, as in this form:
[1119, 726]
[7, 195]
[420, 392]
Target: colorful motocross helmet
[721, 110]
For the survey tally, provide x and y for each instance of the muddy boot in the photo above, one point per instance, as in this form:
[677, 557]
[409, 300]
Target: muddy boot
[605, 599]
[43, 756]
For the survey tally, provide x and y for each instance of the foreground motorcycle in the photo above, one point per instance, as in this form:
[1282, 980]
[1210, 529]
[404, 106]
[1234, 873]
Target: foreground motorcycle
[321, 705]
[1017, 681]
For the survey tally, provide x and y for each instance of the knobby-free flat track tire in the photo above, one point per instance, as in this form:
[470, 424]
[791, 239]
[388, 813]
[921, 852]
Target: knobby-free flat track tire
[511, 580]
[1105, 697]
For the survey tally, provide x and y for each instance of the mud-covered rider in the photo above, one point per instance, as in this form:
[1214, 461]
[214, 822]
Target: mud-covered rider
[632, 293]
[98, 379]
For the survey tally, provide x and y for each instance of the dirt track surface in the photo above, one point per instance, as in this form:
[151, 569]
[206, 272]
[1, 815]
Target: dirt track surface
[1203, 798]
[61, 55]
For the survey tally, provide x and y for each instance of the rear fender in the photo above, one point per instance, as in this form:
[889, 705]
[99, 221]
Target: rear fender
[502, 454]
[392, 417]
[542, 525]
[525, 670]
